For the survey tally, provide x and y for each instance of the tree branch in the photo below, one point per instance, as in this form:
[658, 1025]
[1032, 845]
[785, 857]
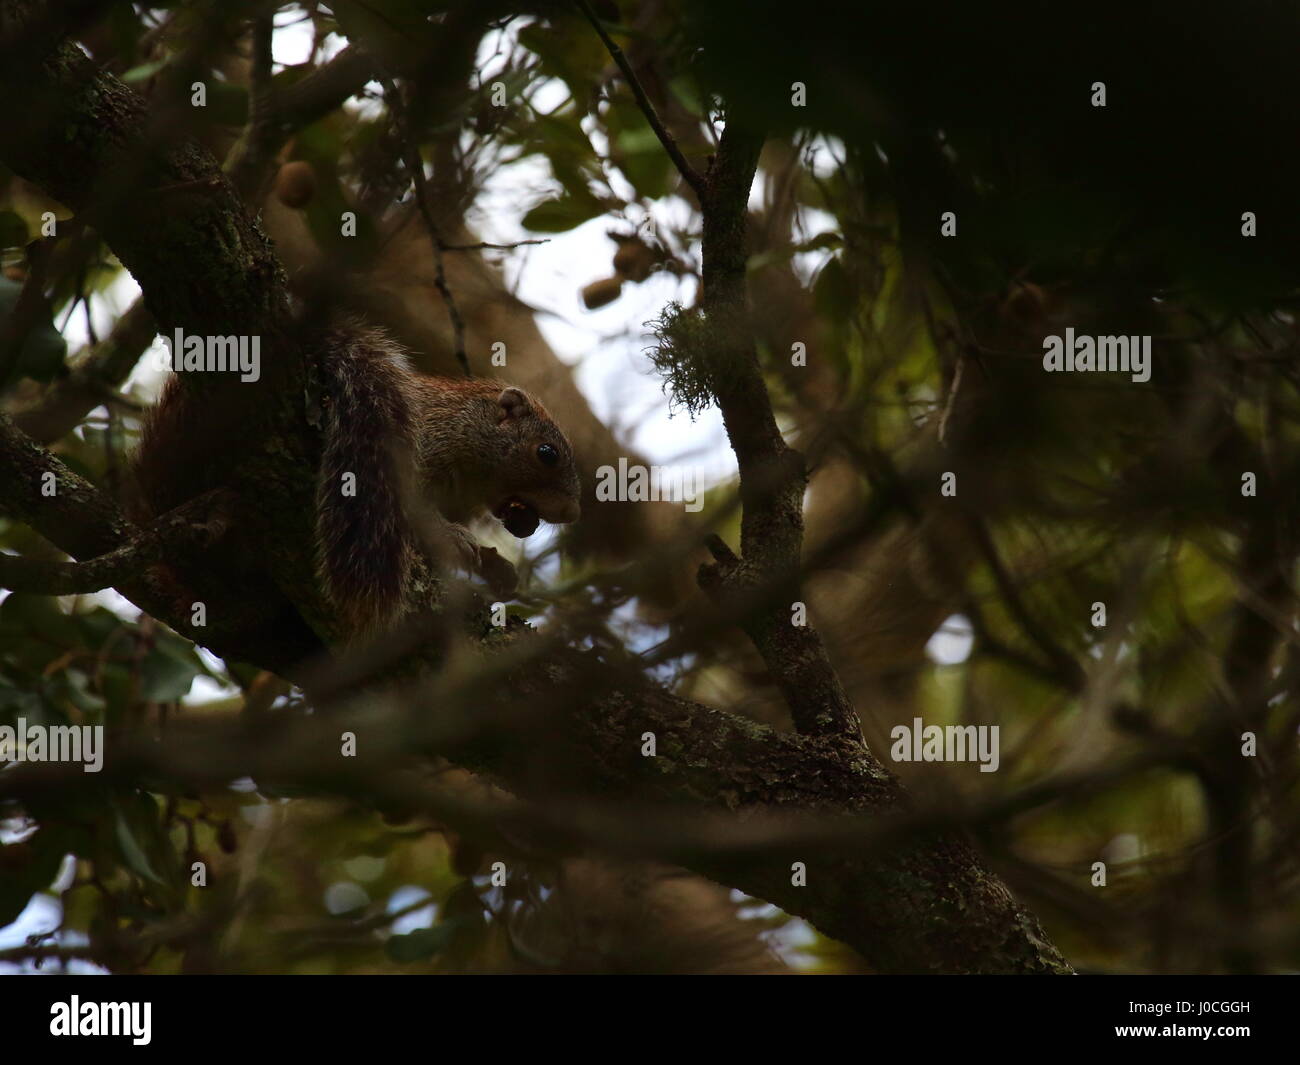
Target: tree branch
[907, 906]
[772, 476]
[197, 523]
[71, 513]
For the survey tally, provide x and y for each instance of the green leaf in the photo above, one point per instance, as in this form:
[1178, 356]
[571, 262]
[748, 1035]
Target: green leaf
[563, 135]
[635, 148]
[39, 619]
[28, 867]
[687, 92]
[13, 230]
[144, 71]
[132, 853]
[18, 702]
[74, 686]
[822, 241]
[43, 349]
[227, 103]
[833, 291]
[397, 31]
[568, 50]
[98, 626]
[421, 944]
[168, 673]
[562, 214]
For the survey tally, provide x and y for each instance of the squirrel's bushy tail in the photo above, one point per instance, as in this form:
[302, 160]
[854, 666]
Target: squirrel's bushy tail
[364, 548]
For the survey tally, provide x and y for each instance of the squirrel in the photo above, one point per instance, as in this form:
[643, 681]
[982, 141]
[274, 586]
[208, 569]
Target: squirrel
[393, 441]
[469, 446]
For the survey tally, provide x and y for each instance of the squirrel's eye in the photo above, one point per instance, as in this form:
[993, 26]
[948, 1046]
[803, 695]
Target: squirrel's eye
[547, 454]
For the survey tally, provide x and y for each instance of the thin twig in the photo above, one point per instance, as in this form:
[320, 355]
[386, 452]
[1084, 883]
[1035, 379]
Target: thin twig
[260, 102]
[485, 245]
[690, 175]
[250, 159]
[953, 389]
[415, 167]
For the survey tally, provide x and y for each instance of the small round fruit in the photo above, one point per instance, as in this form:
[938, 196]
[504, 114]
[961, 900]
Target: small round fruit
[295, 184]
[601, 292]
[520, 519]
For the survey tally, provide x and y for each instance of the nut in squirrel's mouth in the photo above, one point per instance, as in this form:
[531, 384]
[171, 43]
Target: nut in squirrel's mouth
[518, 517]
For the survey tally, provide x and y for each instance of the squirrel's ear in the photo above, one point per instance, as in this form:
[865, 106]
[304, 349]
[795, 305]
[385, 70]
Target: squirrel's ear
[514, 403]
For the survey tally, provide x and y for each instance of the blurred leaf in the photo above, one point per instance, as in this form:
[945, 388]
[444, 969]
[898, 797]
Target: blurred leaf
[687, 92]
[421, 944]
[43, 349]
[833, 291]
[168, 672]
[13, 230]
[145, 71]
[25, 869]
[130, 847]
[570, 51]
[398, 31]
[820, 242]
[18, 701]
[635, 148]
[37, 620]
[99, 625]
[562, 214]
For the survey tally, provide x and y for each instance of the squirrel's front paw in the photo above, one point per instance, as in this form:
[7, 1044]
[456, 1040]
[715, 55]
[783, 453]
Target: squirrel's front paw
[460, 548]
[498, 572]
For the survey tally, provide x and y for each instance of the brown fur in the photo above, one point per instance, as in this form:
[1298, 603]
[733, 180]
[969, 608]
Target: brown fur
[455, 443]
[398, 439]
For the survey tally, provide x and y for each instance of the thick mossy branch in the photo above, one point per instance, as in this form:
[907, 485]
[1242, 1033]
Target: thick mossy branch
[197, 524]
